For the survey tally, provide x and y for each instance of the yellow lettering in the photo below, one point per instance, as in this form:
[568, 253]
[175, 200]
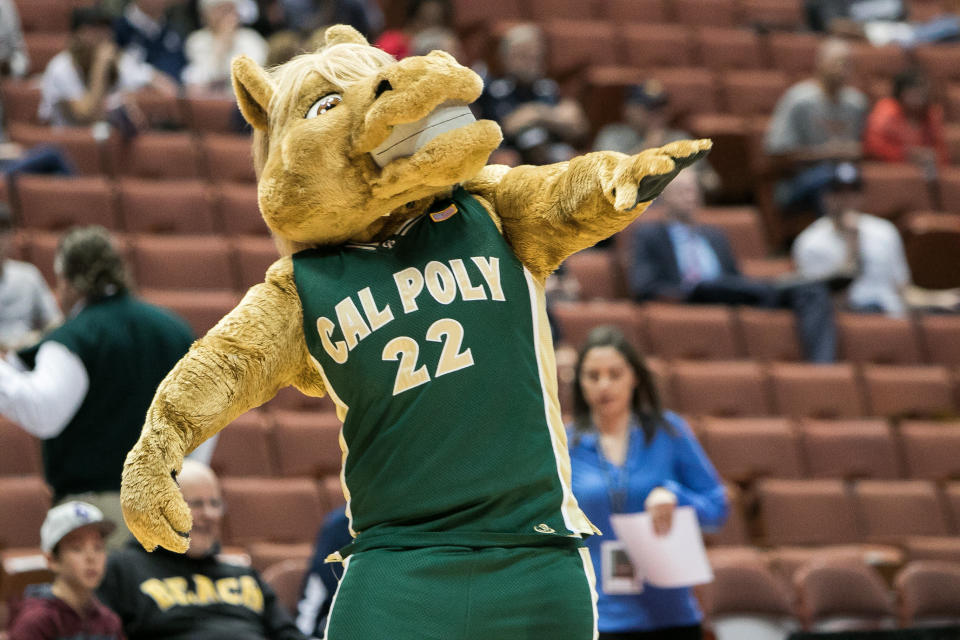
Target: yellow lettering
[159, 593]
[468, 290]
[351, 323]
[206, 592]
[440, 282]
[376, 318]
[178, 589]
[491, 273]
[229, 591]
[409, 286]
[251, 594]
[337, 351]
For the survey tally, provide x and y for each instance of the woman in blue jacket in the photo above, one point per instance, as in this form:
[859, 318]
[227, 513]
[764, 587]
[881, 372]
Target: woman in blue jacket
[629, 455]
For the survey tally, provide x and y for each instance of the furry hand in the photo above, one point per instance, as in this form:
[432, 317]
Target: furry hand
[153, 506]
[642, 177]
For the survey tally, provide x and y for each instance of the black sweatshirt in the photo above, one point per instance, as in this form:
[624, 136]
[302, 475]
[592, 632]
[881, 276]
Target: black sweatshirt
[168, 596]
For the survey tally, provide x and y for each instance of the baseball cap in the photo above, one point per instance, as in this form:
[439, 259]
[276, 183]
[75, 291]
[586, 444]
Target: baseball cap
[69, 517]
[846, 175]
[649, 93]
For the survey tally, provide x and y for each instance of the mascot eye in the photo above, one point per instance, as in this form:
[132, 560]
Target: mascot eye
[323, 105]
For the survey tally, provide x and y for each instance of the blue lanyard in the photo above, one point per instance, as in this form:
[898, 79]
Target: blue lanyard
[618, 488]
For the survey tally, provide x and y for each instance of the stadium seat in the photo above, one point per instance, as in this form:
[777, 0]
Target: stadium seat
[692, 90]
[843, 595]
[161, 155]
[471, 15]
[891, 189]
[21, 99]
[752, 92]
[931, 240]
[772, 14]
[748, 601]
[162, 111]
[573, 45]
[807, 512]
[816, 390]
[24, 501]
[735, 532]
[742, 226]
[546, 10]
[716, 13]
[51, 16]
[43, 46]
[238, 211]
[636, 11]
[307, 443]
[332, 488]
[19, 451]
[871, 61]
[929, 593]
[744, 449]
[725, 48]
[603, 95]
[55, 203]
[877, 339]
[229, 158]
[686, 332]
[938, 548]
[286, 578]
[769, 334]
[793, 53]
[213, 114]
[184, 262]
[658, 45]
[941, 61]
[931, 449]
[576, 319]
[201, 309]
[849, 449]
[245, 447]
[892, 510]
[595, 270]
[284, 510]
[729, 389]
[908, 391]
[254, 257]
[166, 206]
[78, 145]
[264, 555]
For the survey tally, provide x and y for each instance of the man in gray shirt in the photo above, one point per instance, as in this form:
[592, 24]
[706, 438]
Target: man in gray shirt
[817, 122]
[27, 307]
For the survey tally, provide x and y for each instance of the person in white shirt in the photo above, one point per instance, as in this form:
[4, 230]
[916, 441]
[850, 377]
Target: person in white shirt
[210, 50]
[865, 247]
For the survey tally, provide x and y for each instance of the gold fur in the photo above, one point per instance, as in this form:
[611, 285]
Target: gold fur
[318, 185]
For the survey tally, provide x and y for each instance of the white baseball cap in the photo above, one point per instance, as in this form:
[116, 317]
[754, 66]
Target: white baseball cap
[68, 517]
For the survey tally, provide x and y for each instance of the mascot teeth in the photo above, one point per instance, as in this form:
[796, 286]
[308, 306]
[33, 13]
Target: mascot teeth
[406, 139]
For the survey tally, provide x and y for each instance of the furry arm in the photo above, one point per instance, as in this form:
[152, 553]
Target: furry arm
[550, 212]
[257, 349]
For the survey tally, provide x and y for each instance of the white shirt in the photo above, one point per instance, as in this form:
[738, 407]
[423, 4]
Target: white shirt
[26, 303]
[820, 250]
[204, 68]
[44, 401]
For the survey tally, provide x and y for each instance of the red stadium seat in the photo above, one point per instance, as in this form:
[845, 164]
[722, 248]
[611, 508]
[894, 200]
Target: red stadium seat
[850, 449]
[691, 90]
[716, 13]
[83, 152]
[931, 449]
[55, 202]
[769, 334]
[307, 443]
[941, 61]
[574, 45]
[21, 99]
[843, 595]
[595, 270]
[720, 389]
[878, 339]
[162, 155]
[752, 93]
[938, 548]
[870, 61]
[546, 10]
[264, 555]
[238, 210]
[772, 14]
[167, 206]
[692, 332]
[471, 15]
[747, 595]
[735, 531]
[42, 46]
[793, 53]
[201, 309]
[815, 512]
[212, 115]
[244, 447]
[816, 390]
[229, 158]
[635, 11]
[254, 257]
[725, 48]
[908, 391]
[931, 240]
[286, 578]
[284, 510]
[162, 111]
[44, 15]
[19, 451]
[576, 319]
[744, 449]
[184, 262]
[892, 510]
[890, 190]
[332, 488]
[24, 501]
[929, 593]
[742, 226]
[658, 45]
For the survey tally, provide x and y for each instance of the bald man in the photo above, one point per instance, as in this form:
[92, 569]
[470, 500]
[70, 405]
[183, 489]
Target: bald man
[195, 596]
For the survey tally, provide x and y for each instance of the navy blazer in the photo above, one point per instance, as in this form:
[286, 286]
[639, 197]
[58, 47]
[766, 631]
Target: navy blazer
[655, 270]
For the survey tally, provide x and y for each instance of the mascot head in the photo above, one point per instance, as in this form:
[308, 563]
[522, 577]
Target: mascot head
[348, 141]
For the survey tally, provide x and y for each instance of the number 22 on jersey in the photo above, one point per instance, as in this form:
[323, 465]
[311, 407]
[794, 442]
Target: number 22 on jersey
[407, 350]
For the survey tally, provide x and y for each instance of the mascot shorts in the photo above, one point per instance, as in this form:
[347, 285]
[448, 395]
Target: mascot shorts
[460, 593]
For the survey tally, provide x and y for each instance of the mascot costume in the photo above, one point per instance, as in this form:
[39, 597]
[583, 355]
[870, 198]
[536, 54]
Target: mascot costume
[410, 289]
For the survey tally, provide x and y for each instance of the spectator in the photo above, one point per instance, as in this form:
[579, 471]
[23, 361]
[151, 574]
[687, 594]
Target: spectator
[88, 82]
[646, 124]
[320, 583]
[13, 51]
[629, 455]
[27, 306]
[421, 15]
[145, 33]
[868, 249]
[818, 120]
[847, 17]
[85, 388]
[538, 124]
[681, 261]
[194, 596]
[72, 538]
[210, 50]
[908, 127]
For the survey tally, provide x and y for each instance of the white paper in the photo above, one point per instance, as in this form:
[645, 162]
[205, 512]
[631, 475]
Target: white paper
[677, 559]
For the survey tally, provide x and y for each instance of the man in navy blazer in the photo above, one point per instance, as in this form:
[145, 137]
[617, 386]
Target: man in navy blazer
[679, 260]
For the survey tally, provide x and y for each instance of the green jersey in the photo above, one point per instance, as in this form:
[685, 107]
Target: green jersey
[435, 347]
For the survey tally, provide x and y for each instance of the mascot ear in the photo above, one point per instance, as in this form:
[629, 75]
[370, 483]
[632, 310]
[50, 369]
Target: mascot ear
[253, 89]
[343, 33]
